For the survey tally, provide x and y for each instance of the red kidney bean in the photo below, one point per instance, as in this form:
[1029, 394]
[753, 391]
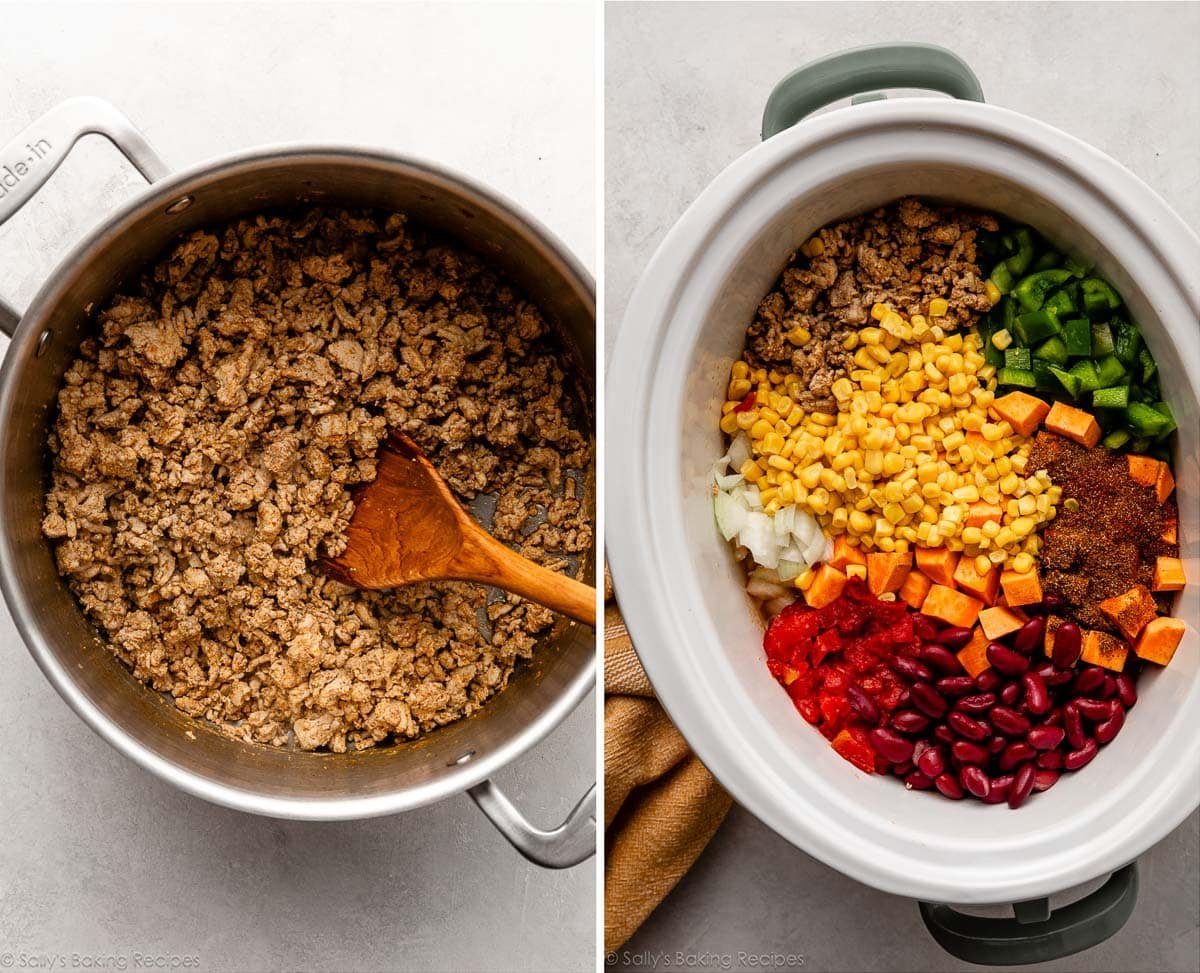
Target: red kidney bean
[1016, 754]
[904, 698]
[1021, 786]
[997, 744]
[1108, 688]
[1050, 759]
[1060, 677]
[1105, 732]
[1010, 693]
[975, 781]
[1005, 661]
[955, 637]
[964, 726]
[1075, 759]
[1073, 725]
[1037, 699]
[928, 700]
[890, 745]
[912, 669]
[966, 752]
[1054, 719]
[910, 721]
[919, 747]
[988, 680]
[1068, 641]
[942, 659]
[949, 786]
[1043, 780]
[862, 704]
[1088, 681]
[1008, 721]
[976, 702]
[955, 685]
[1126, 690]
[917, 782]
[943, 733]
[999, 790]
[1045, 737]
[1097, 709]
[902, 769]
[932, 762]
[1029, 636]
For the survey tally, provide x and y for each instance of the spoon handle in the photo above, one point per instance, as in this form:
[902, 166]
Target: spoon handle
[495, 564]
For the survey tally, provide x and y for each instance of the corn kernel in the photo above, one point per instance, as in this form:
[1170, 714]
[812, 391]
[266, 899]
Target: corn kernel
[992, 291]
[938, 307]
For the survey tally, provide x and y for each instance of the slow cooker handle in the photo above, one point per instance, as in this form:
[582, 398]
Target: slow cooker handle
[570, 843]
[31, 158]
[865, 70]
[1036, 935]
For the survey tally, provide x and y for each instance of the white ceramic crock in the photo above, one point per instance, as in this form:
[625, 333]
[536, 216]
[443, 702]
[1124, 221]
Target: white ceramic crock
[682, 593]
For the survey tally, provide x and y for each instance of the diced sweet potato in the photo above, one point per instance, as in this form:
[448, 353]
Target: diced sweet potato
[982, 586]
[886, 572]
[980, 513]
[1168, 574]
[1164, 483]
[1073, 423]
[845, 553]
[1052, 623]
[1142, 469]
[852, 745]
[1170, 532]
[938, 564]
[916, 586]
[952, 607]
[1021, 587]
[1023, 411]
[827, 585]
[1130, 611]
[973, 655]
[1102, 649]
[1159, 640]
[1000, 621]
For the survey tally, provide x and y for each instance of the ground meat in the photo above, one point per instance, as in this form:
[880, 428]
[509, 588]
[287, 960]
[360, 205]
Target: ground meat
[904, 254]
[208, 436]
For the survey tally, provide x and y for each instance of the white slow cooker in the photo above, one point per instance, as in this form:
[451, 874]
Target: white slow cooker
[682, 593]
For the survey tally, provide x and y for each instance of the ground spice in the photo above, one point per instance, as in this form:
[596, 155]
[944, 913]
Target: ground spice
[1109, 542]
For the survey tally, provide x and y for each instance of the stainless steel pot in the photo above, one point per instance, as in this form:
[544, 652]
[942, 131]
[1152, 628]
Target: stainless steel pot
[45, 336]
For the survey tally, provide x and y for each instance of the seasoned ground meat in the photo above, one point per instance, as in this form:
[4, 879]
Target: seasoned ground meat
[208, 436]
[904, 254]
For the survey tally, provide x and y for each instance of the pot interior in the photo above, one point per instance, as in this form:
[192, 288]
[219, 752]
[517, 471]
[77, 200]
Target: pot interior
[143, 723]
[733, 270]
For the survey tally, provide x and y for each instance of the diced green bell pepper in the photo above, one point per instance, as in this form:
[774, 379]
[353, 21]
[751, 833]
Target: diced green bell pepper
[1139, 444]
[1048, 260]
[1035, 326]
[1043, 376]
[1149, 365]
[1002, 277]
[1016, 357]
[1147, 421]
[1070, 383]
[1102, 339]
[1116, 439]
[1032, 291]
[1165, 411]
[1061, 303]
[1085, 372]
[1099, 298]
[1021, 377]
[1053, 350]
[1077, 267]
[1077, 335]
[1110, 371]
[1116, 397]
[1126, 341]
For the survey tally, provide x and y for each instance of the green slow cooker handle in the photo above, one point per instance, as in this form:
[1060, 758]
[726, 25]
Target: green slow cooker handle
[1035, 935]
[860, 74]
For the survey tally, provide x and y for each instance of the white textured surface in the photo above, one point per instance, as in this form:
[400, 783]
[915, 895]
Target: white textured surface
[685, 87]
[97, 857]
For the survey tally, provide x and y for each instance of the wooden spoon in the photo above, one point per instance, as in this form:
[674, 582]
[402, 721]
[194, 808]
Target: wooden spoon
[407, 527]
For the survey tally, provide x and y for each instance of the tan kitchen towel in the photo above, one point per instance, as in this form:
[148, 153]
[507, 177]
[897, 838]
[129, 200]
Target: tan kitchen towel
[661, 805]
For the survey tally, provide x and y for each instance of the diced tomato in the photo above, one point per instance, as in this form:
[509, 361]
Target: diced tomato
[747, 403]
[852, 744]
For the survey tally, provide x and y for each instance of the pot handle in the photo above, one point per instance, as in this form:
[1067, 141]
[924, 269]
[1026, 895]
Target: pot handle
[570, 843]
[30, 158]
[1035, 935]
[860, 73]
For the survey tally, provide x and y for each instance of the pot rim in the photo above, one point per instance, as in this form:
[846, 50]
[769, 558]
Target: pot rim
[653, 610]
[462, 777]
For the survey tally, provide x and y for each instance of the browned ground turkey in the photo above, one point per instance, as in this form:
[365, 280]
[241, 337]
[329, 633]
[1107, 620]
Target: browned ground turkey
[903, 254]
[209, 434]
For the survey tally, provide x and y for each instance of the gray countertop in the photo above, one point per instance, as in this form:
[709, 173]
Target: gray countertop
[101, 860]
[685, 86]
